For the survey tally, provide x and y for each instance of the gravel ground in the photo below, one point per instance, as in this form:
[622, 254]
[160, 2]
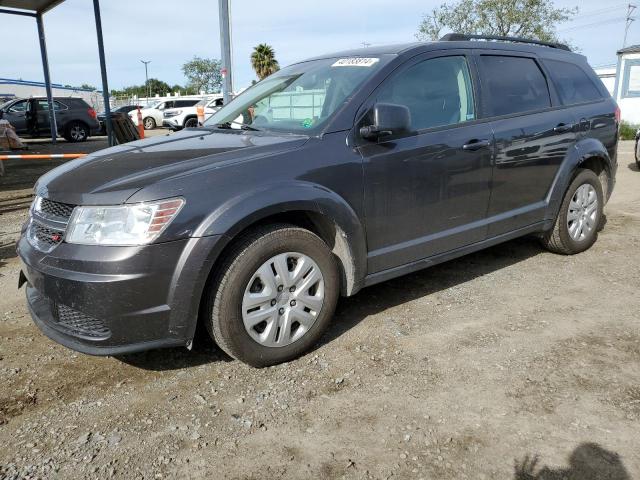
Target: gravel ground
[512, 363]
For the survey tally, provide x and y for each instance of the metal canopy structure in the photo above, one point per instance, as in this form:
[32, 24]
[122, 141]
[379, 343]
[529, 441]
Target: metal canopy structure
[36, 9]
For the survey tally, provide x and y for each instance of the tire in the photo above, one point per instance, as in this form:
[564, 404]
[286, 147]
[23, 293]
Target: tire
[635, 154]
[191, 122]
[76, 132]
[149, 123]
[231, 287]
[569, 240]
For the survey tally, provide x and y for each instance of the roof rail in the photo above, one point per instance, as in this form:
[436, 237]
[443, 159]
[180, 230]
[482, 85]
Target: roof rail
[463, 37]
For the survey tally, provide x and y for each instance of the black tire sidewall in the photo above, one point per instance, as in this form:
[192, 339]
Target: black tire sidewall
[188, 120]
[144, 123]
[583, 177]
[227, 317]
[68, 136]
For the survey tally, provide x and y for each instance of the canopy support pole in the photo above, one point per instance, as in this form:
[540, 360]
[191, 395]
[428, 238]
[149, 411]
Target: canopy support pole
[47, 79]
[103, 72]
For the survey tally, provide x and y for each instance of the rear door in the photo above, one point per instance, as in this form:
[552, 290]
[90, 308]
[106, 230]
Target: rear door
[532, 132]
[428, 191]
[42, 113]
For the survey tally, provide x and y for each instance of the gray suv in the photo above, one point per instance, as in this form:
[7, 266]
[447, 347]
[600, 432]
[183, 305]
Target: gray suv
[75, 119]
[330, 175]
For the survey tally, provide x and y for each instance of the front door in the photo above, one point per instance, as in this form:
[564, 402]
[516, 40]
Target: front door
[427, 192]
[17, 116]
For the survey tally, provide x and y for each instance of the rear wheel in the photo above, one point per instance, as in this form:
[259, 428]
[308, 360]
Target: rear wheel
[76, 132]
[636, 155]
[576, 226]
[274, 297]
[149, 123]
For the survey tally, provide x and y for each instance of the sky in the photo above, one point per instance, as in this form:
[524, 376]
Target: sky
[170, 33]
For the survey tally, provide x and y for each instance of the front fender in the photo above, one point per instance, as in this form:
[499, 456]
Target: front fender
[576, 156]
[238, 213]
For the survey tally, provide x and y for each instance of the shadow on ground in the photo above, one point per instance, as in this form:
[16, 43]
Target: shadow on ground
[381, 297]
[589, 461]
[633, 167]
[370, 301]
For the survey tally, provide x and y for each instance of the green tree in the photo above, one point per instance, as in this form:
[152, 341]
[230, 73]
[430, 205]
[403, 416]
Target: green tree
[87, 86]
[536, 19]
[263, 61]
[203, 74]
[158, 87]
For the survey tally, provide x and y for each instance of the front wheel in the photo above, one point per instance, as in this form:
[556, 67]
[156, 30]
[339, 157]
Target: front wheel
[576, 226]
[191, 123]
[274, 297]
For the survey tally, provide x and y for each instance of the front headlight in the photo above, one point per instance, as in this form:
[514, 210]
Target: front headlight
[173, 113]
[137, 224]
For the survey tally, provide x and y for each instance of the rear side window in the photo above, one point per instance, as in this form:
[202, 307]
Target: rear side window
[572, 83]
[512, 85]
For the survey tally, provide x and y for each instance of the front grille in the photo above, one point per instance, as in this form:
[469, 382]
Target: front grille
[48, 223]
[79, 324]
[46, 236]
[56, 209]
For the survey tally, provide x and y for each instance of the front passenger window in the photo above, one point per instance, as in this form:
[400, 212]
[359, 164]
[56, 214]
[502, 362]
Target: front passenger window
[437, 92]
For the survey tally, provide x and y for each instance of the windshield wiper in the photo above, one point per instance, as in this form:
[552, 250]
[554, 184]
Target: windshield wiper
[243, 126]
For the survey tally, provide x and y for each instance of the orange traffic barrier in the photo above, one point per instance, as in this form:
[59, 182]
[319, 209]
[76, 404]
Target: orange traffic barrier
[43, 156]
[140, 125]
[200, 113]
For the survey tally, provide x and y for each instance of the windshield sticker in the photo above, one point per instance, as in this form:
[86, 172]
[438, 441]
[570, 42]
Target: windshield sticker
[356, 62]
[307, 123]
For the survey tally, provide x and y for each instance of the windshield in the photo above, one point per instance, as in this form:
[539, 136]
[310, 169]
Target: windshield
[298, 98]
[5, 106]
[154, 105]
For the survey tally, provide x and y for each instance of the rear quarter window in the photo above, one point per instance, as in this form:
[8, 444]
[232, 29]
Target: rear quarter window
[572, 83]
[512, 85]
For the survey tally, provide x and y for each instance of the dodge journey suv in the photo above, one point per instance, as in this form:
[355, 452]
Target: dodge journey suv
[330, 175]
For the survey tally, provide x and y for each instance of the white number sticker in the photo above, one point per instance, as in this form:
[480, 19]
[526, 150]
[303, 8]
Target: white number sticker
[356, 62]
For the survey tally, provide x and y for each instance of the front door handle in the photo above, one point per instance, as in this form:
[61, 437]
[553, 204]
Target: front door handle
[474, 145]
[563, 127]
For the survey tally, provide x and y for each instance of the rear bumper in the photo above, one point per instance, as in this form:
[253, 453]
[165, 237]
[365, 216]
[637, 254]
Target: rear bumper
[115, 300]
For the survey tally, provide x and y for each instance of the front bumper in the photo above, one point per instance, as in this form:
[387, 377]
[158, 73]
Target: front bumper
[115, 300]
[172, 123]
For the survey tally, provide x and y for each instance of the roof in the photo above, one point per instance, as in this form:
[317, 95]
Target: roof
[631, 49]
[418, 47]
[36, 6]
[11, 81]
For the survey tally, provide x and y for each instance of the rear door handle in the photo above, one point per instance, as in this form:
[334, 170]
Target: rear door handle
[563, 128]
[474, 145]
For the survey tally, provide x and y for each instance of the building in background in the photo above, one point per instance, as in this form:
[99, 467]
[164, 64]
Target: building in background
[608, 76]
[627, 87]
[10, 88]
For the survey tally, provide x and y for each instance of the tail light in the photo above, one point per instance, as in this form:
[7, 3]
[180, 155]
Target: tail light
[618, 115]
[92, 113]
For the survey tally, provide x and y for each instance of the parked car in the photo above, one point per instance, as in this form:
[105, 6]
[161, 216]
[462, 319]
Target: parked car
[330, 175]
[637, 149]
[75, 119]
[179, 118]
[152, 116]
[123, 109]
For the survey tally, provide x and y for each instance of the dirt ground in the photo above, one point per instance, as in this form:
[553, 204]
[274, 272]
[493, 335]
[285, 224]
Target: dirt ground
[512, 363]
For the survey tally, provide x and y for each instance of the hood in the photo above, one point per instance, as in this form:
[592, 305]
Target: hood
[111, 176]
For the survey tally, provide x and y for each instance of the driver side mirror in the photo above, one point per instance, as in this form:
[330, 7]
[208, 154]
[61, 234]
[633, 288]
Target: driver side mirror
[388, 119]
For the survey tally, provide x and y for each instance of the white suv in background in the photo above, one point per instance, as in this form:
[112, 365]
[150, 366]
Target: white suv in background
[152, 116]
[179, 118]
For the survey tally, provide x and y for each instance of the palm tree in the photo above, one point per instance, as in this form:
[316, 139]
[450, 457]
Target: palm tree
[263, 61]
